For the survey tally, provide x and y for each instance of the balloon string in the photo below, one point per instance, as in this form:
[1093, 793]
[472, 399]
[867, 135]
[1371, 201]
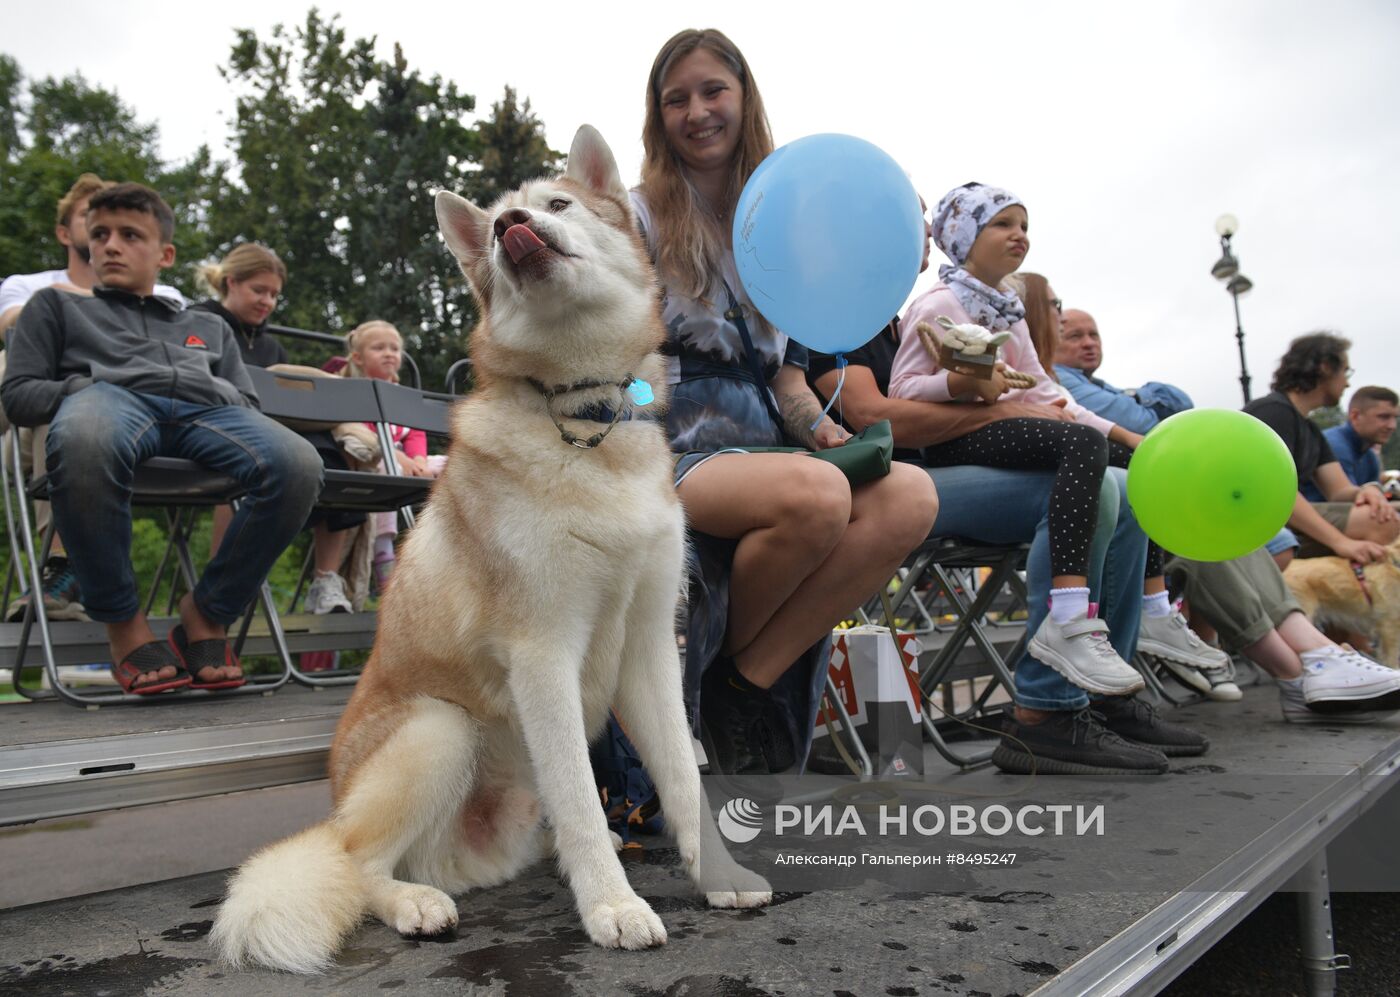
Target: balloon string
[840, 382]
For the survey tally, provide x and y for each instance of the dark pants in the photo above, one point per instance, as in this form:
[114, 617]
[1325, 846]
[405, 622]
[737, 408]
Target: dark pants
[99, 437]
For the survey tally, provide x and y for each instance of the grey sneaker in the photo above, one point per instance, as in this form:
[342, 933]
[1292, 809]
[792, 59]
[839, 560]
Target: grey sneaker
[61, 594]
[327, 595]
[1080, 651]
[1190, 660]
[1296, 710]
[1346, 680]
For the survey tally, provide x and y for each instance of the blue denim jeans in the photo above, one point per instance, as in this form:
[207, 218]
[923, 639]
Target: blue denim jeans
[103, 432]
[1005, 507]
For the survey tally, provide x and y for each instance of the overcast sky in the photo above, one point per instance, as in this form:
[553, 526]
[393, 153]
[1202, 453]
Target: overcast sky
[1127, 128]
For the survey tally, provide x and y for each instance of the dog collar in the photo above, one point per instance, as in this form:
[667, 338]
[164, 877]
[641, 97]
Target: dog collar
[597, 412]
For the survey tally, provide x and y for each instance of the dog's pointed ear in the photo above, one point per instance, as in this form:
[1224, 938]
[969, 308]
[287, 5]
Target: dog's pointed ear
[466, 227]
[591, 163]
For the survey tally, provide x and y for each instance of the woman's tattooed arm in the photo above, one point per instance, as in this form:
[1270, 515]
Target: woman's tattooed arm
[800, 409]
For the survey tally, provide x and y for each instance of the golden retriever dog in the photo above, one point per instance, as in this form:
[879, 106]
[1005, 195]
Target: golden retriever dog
[538, 589]
[1329, 592]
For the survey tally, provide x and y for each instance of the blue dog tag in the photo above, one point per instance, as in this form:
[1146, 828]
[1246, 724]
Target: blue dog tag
[641, 392]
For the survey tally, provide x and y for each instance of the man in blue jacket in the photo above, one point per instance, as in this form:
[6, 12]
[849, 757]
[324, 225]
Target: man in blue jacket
[1079, 355]
[1371, 417]
[124, 375]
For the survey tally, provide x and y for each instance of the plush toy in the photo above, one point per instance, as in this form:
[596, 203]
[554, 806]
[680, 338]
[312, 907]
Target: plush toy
[969, 349]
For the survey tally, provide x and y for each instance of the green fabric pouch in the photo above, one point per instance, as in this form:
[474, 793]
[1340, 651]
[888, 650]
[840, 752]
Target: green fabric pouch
[864, 457]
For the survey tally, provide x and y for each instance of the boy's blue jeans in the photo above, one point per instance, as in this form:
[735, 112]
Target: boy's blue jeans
[1006, 507]
[103, 432]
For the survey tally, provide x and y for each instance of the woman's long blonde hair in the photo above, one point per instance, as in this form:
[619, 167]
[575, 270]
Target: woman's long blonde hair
[689, 234]
[241, 263]
[357, 336]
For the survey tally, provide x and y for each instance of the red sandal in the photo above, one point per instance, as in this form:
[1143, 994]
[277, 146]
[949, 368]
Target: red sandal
[198, 655]
[150, 657]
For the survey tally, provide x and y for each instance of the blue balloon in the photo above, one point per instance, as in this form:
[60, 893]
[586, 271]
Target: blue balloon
[828, 238]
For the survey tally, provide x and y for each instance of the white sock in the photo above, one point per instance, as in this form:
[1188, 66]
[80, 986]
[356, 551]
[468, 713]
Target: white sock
[1156, 605]
[1068, 604]
[384, 547]
[1293, 685]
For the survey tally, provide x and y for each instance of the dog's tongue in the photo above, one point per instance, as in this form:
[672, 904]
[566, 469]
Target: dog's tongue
[521, 242]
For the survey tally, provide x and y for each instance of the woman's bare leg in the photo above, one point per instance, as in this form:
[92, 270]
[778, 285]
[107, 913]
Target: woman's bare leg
[814, 551]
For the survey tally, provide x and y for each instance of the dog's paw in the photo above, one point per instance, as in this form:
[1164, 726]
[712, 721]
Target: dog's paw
[422, 910]
[616, 840]
[628, 924]
[737, 887]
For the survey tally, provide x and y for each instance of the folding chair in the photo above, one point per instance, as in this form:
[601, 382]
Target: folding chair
[180, 487]
[426, 410]
[301, 400]
[940, 579]
[461, 371]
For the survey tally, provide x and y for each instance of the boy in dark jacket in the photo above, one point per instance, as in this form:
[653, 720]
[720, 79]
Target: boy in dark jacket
[124, 376]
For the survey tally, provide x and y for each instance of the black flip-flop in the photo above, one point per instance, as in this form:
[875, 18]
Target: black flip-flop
[150, 657]
[216, 652]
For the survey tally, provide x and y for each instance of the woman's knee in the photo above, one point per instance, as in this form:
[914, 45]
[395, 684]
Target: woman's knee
[903, 504]
[814, 499]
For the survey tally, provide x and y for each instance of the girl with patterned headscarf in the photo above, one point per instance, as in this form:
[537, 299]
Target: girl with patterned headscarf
[983, 232]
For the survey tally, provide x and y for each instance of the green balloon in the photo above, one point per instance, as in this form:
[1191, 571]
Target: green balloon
[1212, 484]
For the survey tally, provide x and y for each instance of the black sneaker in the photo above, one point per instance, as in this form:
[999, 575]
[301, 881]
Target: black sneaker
[741, 737]
[1072, 742]
[1139, 722]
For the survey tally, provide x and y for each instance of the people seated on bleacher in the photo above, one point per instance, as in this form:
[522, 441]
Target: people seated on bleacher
[1355, 521]
[1319, 681]
[1078, 355]
[1005, 505]
[62, 598]
[248, 283]
[1164, 632]
[375, 349]
[787, 547]
[124, 375]
[1357, 441]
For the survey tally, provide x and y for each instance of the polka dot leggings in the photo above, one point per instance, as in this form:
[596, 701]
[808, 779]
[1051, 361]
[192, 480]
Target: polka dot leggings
[1118, 456]
[1076, 453]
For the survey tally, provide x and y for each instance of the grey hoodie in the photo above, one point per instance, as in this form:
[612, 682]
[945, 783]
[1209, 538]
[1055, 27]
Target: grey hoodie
[64, 342]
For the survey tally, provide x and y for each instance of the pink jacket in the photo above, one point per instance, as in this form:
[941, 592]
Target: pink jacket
[916, 375]
[413, 441]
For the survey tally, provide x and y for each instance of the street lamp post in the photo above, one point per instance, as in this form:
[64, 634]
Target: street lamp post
[1227, 269]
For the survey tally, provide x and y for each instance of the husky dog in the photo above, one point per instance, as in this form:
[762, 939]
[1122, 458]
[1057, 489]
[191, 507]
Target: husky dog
[1329, 591]
[538, 589]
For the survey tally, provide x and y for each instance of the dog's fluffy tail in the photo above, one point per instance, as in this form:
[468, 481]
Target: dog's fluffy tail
[292, 904]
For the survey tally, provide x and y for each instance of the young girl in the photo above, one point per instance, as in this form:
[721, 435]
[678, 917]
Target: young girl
[375, 349]
[1164, 632]
[983, 231]
[806, 547]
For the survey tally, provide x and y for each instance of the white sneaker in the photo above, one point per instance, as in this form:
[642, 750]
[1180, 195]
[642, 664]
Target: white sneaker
[1195, 663]
[327, 595]
[1296, 710]
[1347, 680]
[1080, 651]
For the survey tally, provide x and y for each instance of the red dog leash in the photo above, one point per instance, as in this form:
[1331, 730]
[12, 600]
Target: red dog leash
[1360, 573]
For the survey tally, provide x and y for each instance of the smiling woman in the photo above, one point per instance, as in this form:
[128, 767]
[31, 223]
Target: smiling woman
[788, 545]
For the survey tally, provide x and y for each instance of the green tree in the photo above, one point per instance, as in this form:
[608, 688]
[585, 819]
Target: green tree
[340, 154]
[53, 130]
[513, 150]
